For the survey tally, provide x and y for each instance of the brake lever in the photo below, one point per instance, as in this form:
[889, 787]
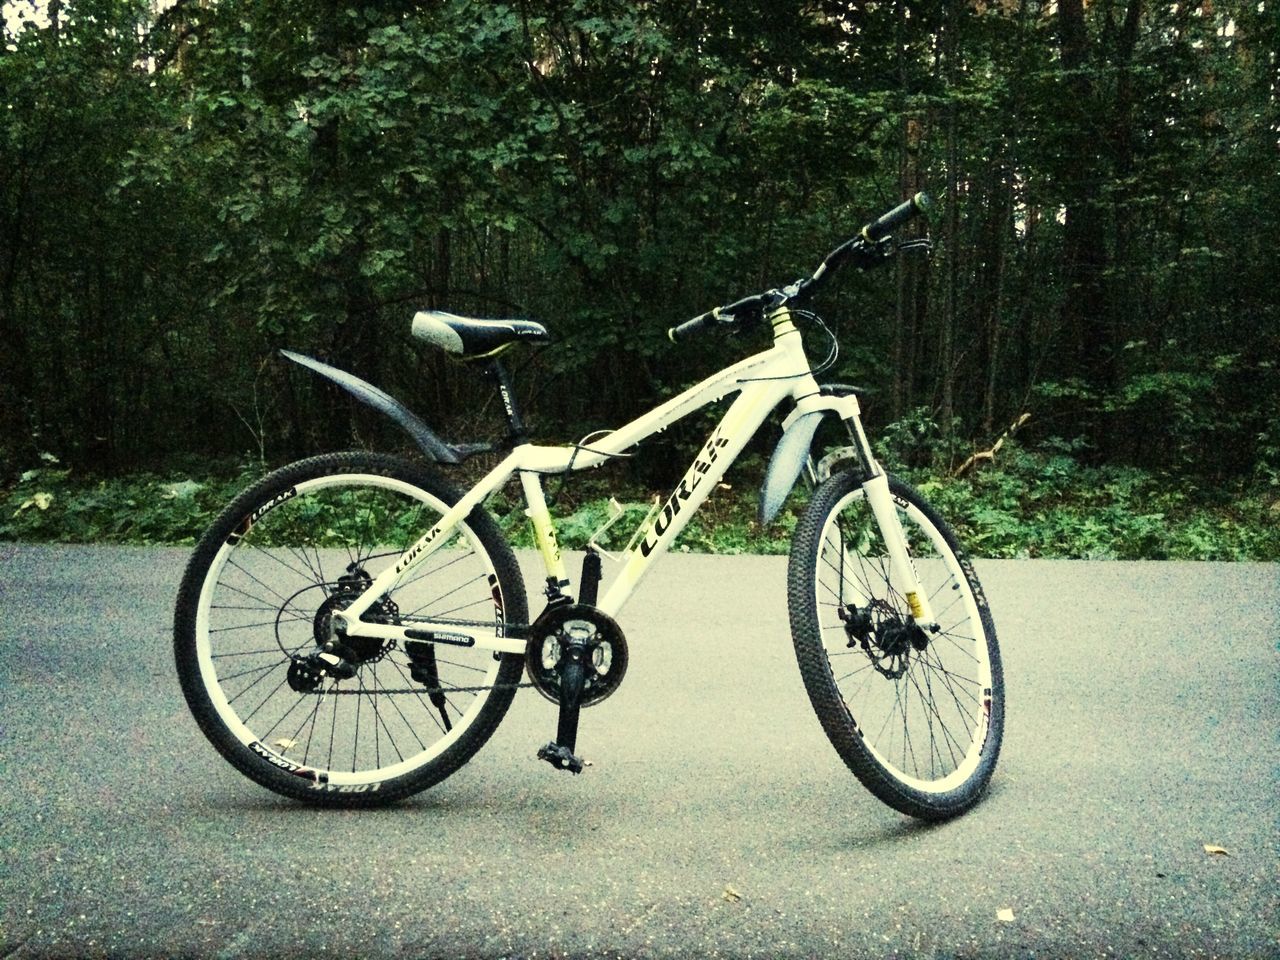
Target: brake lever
[869, 257]
[923, 244]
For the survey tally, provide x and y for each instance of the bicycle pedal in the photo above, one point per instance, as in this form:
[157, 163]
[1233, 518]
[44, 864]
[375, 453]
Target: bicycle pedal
[562, 758]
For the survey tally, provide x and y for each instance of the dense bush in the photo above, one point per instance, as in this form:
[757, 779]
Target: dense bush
[1043, 503]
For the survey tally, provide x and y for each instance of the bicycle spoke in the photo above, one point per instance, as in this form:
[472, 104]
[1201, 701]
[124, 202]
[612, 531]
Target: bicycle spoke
[933, 714]
[355, 741]
[460, 666]
[306, 752]
[252, 713]
[252, 670]
[409, 726]
[391, 740]
[263, 623]
[272, 729]
[424, 704]
[450, 593]
[263, 604]
[263, 551]
[422, 575]
[318, 543]
[946, 676]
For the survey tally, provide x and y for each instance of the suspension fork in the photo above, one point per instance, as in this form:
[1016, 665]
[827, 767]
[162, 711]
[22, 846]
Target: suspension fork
[902, 569]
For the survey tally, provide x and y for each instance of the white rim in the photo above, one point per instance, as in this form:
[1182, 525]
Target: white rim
[978, 738]
[228, 715]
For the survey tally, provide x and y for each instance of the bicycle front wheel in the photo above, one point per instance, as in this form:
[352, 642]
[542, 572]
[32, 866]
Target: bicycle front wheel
[257, 600]
[917, 716]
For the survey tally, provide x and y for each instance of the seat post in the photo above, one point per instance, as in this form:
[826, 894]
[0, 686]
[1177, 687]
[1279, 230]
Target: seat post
[498, 373]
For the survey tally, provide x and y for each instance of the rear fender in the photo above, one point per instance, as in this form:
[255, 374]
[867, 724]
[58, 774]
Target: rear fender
[431, 445]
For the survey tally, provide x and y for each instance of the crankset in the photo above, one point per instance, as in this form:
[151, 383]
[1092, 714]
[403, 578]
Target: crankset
[572, 631]
[576, 656]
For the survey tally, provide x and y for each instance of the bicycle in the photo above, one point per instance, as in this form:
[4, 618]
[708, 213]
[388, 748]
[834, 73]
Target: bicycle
[352, 628]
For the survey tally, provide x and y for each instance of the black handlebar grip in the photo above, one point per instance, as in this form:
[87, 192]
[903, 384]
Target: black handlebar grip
[897, 216]
[677, 333]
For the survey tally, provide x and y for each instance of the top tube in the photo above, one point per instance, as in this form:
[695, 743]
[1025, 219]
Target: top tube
[784, 361]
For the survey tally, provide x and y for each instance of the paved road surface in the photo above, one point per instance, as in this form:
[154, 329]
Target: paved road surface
[1142, 725]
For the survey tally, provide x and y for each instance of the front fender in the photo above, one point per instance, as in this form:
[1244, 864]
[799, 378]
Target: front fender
[430, 444]
[788, 459]
[792, 452]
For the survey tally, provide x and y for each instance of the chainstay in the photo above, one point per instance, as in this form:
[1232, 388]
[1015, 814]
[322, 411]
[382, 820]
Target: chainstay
[509, 629]
[518, 631]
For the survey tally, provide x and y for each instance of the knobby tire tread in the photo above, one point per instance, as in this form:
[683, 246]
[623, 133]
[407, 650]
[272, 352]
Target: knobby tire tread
[815, 668]
[515, 605]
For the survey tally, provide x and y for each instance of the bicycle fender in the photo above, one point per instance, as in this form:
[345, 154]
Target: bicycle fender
[431, 445]
[785, 464]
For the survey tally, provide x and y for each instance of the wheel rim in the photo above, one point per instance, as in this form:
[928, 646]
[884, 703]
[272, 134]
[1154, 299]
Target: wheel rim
[272, 581]
[923, 715]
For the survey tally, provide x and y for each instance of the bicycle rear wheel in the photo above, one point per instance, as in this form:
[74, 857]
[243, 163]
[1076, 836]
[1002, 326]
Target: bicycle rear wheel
[917, 717]
[257, 599]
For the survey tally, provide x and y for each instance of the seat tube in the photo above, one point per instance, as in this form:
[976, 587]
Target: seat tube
[544, 531]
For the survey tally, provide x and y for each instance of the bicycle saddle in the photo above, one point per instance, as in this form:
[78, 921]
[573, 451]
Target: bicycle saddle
[472, 339]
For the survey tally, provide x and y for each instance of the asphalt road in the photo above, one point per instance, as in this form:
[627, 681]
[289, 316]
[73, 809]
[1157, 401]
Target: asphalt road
[716, 820]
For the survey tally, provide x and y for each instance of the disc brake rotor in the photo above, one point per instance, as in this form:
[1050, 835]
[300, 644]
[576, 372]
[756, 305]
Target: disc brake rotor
[879, 630]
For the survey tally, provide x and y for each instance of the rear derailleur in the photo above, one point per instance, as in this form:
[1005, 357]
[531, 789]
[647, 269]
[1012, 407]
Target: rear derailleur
[336, 655]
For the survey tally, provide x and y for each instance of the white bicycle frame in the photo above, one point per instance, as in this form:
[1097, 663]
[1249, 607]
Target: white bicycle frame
[762, 382]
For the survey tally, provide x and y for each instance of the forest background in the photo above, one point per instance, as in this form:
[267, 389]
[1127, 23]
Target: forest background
[185, 189]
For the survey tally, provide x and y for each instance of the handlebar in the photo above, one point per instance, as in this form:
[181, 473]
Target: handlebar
[721, 315]
[899, 215]
[689, 327]
[866, 247]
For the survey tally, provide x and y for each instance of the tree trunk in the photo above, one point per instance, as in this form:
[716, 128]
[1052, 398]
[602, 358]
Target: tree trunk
[946, 346]
[1085, 316]
[997, 229]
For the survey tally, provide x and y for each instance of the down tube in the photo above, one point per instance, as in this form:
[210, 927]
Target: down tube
[739, 425]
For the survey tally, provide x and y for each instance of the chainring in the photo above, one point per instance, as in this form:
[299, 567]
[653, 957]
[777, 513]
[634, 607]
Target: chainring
[606, 645]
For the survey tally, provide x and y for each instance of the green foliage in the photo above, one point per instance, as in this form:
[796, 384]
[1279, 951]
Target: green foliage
[1046, 503]
[52, 503]
[1033, 503]
[183, 192]
[916, 440]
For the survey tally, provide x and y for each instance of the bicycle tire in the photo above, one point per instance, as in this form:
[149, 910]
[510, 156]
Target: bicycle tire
[851, 633]
[299, 543]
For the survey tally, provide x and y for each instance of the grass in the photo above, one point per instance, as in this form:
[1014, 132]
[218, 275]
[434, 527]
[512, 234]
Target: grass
[1041, 503]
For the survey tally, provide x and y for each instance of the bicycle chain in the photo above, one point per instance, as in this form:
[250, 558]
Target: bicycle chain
[369, 691]
[509, 629]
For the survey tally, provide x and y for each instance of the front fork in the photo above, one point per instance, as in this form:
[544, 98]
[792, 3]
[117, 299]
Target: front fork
[902, 568]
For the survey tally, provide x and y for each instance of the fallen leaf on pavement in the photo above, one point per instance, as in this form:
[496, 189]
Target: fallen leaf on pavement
[1215, 851]
[731, 895]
